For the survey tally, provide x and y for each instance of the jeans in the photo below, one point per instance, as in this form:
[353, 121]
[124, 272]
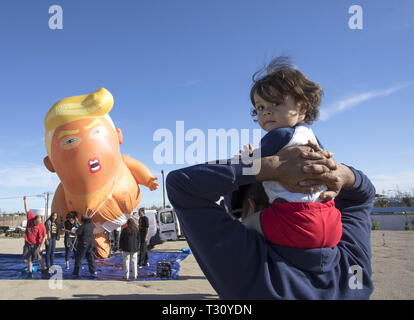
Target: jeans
[143, 253]
[82, 251]
[127, 257]
[50, 252]
[68, 247]
[116, 236]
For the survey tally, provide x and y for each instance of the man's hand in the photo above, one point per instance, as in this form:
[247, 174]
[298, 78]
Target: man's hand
[26, 206]
[304, 169]
[335, 179]
[294, 164]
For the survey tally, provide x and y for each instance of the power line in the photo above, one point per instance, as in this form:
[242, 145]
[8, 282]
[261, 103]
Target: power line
[43, 195]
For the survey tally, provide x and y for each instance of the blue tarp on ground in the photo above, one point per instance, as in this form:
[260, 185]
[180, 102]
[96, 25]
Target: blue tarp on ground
[13, 267]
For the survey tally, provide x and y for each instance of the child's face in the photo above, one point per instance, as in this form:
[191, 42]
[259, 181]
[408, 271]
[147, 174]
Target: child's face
[271, 115]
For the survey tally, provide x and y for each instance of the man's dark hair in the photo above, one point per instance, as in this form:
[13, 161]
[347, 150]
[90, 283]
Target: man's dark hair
[257, 193]
[85, 219]
[240, 204]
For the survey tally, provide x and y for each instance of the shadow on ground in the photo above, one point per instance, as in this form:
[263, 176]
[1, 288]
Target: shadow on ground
[195, 296]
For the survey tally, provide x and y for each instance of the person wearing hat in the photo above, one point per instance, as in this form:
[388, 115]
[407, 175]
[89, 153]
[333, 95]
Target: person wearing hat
[239, 263]
[35, 237]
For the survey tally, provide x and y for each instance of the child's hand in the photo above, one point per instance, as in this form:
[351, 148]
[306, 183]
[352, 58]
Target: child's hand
[247, 150]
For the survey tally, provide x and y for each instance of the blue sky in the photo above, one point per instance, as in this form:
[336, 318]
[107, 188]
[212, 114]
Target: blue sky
[192, 61]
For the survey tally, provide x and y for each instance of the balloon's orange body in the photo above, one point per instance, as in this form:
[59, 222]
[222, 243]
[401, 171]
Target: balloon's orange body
[96, 180]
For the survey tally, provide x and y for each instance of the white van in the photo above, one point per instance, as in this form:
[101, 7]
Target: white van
[169, 225]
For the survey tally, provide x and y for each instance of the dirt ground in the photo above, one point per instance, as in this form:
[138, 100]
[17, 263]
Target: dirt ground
[392, 263]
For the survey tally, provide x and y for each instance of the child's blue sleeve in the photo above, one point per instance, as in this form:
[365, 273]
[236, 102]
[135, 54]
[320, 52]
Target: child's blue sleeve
[275, 140]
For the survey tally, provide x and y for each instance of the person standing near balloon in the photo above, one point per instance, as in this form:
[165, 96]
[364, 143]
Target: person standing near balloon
[34, 236]
[83, 147]
[143, 225]
[71, 225]
[85, 246]
[53, 229]
[129, 244]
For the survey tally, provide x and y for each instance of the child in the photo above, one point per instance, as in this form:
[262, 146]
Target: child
[285, 103]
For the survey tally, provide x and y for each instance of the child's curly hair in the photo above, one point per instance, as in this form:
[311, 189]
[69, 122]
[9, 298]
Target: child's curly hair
[282, 79]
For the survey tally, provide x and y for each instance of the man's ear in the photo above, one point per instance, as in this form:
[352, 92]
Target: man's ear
[252, 206]
[120, 136]
[48, 164]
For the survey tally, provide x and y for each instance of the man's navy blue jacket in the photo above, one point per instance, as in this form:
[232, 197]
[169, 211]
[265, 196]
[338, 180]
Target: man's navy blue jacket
[240, 264]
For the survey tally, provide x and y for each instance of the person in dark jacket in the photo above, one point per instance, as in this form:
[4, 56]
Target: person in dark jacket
[143, 225]
[53, 228]
[116, 234]
[129, 244]
[71, 225]
[240, 264]
[85, 246]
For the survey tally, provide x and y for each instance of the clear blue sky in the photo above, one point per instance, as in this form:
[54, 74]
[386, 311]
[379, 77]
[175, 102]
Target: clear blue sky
[192, 60]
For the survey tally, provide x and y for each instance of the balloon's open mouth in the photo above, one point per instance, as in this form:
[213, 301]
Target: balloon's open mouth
[94, 165]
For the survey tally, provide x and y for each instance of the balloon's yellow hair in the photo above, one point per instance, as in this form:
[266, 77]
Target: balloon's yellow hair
[96, 104]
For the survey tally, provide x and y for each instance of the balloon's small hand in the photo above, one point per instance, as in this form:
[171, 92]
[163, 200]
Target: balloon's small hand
[152, 185]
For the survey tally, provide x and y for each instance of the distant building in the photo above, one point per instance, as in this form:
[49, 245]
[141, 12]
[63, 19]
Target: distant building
[393, 218]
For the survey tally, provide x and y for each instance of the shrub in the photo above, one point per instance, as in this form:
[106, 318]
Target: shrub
[375, 225]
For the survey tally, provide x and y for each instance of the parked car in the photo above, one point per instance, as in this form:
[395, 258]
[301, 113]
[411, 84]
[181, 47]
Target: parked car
[169, 225]
[19, 230]
[15, 231]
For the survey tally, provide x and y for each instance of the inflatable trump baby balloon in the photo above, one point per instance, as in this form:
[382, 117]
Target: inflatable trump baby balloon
[83, 147]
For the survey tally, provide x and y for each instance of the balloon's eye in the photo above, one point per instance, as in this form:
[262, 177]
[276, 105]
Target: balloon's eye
[98, 132]
[70, 141]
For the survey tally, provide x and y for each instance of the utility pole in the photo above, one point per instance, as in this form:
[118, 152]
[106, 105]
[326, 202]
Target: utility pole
[163, 189]
[47, 204]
